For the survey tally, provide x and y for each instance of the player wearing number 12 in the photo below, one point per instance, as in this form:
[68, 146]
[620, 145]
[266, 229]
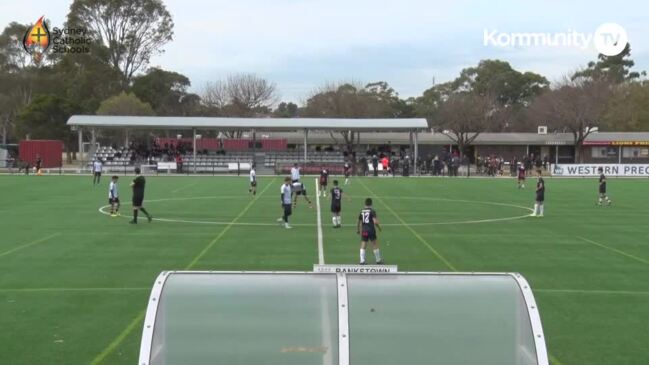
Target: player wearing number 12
[367, 225]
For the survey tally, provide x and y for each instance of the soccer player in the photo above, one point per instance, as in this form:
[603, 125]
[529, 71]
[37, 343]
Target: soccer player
[138, 185]
[348, 172]
[295, 173]
[299, 189]
[540, 196]
[324, 180]
[336, 204]
[96, 171]
[521, 176]
[113, 197]
[39, 165]
[286, 197]
[602, 188]
[368, 221]
[253, 181]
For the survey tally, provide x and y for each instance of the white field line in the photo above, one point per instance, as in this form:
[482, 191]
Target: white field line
[321, 259]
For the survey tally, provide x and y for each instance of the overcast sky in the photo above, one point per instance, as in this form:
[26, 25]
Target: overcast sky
[301, 44]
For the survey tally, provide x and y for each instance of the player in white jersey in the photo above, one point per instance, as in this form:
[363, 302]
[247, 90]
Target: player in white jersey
[253, 181]
[286, 196]
[97, 167]
[295, 173]
[113, 197]
[300, 189]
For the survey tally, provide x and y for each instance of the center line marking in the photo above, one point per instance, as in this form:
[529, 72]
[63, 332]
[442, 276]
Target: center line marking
[321, 259]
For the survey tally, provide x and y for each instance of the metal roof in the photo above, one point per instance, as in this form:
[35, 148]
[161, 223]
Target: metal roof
[269, 124]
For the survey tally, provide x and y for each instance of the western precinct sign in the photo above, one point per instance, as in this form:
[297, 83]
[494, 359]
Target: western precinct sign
[578, 170]
[356, 269]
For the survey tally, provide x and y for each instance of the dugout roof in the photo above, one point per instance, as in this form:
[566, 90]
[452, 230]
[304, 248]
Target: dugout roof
[265, 124]
[336, 318]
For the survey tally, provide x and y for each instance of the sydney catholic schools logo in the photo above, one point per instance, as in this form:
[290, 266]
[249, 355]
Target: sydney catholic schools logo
[38, 39]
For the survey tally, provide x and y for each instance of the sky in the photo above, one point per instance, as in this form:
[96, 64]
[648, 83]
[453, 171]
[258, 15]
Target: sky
[303, 44]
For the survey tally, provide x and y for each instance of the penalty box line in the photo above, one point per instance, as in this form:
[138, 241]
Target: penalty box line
[140, 317]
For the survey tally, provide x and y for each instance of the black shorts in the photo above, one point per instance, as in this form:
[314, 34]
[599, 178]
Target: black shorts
[253, 183]
[602, 189]
[323, 183]
[336, 208]
[98, 174]
[288, 209]
[113, 200]
[540, 197]
[521, 178]
[302, 192]
[295, 181]
[347, 173]
[137, 200]
[368, 236]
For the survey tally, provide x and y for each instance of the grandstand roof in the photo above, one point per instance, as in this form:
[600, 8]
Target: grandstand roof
[269, 124]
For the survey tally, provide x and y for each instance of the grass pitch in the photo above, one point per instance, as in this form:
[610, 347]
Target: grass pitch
[74, 282]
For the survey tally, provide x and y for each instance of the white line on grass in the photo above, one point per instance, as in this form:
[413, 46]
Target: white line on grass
[26, 245]
[321, 259]
[104, 210]
[620, 252]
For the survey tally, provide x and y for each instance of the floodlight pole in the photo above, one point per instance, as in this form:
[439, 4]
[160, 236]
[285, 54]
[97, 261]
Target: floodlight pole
[194, 146]
[306, 144]
[619, 155]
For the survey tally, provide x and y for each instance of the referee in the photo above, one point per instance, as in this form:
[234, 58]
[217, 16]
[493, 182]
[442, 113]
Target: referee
[138, 185]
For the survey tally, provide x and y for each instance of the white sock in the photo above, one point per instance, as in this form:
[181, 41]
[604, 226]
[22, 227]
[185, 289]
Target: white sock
[362, 255]
[339, 220]
[334, 220]
[377, 255]
[541, 209]
[536, 209]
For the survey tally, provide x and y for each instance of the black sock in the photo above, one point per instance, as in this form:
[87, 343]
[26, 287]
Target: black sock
[144, 211]
[135, 215]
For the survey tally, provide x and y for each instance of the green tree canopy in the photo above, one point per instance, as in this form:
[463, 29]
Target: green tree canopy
[166, 92]
[612, 69]
[124, 104]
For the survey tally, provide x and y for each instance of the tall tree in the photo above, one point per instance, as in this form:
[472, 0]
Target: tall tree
[576, 106]
[12, 55]
[240, 95]
[628, 108]
[124, 104]
[612, 69]
[132, 30]
[165, 91]
[286, 110]
[464, 116]
[45, 118]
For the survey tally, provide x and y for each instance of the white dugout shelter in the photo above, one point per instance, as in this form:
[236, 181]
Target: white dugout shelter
[341, 317]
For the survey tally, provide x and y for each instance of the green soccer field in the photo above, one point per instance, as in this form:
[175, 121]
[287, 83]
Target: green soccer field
[74, 282]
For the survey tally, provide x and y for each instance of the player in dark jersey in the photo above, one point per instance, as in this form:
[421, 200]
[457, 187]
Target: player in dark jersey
[540, 196]
[324, 180]
[521, 176]
[336, 204]
[138, 185]
[602, 188]
[367, 225]
[348, 172]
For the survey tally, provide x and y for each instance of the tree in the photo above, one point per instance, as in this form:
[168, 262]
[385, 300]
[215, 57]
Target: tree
[576, 106]
[12, 55]
[132, 30]
[240, 95]
[612, 69]
[464, 116]
[45, 118]
[286, 110]
[165, 91]
[124, 104]
[512, 91]
[628, 108]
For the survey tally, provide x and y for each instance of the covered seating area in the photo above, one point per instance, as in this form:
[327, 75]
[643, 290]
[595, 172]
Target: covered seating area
[255, 127]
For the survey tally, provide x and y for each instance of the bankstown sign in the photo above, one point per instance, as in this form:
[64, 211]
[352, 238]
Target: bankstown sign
[356, 269]
[578, 170]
